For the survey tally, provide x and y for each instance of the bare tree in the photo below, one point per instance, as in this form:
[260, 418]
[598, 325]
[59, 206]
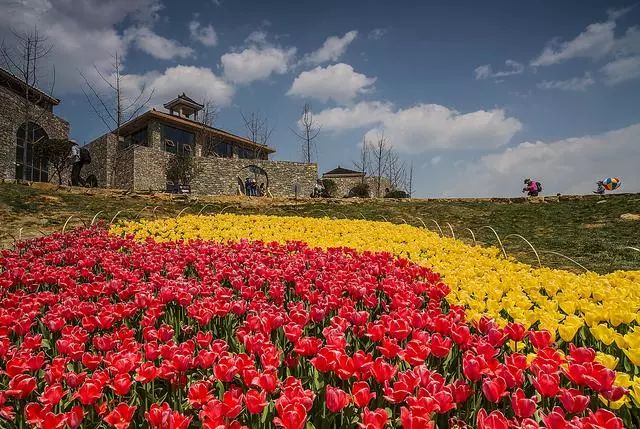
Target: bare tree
[410, 181]
[110, 104]
[106, 97]
[258, 129]
[396, 170]
[308, 133]
[364, 162]
[380, 154]
[207, 118]
[25, 59]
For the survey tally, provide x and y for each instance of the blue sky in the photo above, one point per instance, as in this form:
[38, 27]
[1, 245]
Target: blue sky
[476, 96]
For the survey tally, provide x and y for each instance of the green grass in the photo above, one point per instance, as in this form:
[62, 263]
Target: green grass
[588, 230]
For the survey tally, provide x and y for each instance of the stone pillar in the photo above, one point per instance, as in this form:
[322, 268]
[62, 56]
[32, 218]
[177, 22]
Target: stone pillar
[154, 137]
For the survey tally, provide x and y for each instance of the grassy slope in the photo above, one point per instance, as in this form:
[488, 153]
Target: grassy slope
[589, 230]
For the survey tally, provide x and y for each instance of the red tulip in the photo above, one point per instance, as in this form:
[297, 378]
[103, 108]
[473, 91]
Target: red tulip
[382, 371]
[75, 416]
[573, 401]
[494, 420]
[472, 367]
[21, 386]
[293, 416]
[516, 331]
[376, 419]
[603, 419]
[199, 394]
[52, 394]
[522, 406]
[232, 403]
[547, 384]
[336, 399]
[256, 401]
[415, 418]
[121, 384]
[540, 339]
[89, 393]
[120, 417]
[494, 389]
[361, 394]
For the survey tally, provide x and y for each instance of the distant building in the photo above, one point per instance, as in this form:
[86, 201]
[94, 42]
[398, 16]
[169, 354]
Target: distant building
[26, 117]
[346, 179]
[138, 161]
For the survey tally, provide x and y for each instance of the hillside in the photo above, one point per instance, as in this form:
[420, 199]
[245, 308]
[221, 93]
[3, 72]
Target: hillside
[589, 229]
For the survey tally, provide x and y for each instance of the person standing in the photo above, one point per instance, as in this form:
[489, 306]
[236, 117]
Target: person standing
[76, 163]
[532, 187]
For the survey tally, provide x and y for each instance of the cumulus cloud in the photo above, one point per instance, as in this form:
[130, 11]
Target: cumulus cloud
[486, 71]
[338, 82]
[257, 61]
[424, 126]
[573, 84]
[198, 82]
[567, 166]
[621, 70]
[155, 45]
[82, 32]
[332, 49]
[205, 35]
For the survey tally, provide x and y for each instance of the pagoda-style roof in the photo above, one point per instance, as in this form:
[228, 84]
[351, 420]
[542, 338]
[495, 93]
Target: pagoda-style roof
[183, 100]
[190, 125]
[17, 85]
[343, 172]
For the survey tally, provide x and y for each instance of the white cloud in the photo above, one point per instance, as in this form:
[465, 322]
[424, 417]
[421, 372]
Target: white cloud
[595, 42]
[155, 45]
[338, 82]
[82, 32]
[424, 126]
[436, 160]
[486, 71]
[332, 49]
[574, 84]
[205, 35]
[199, 83]
[621, 70]
[357, 116]
[566, 166]
[256, 63]
[257, 37]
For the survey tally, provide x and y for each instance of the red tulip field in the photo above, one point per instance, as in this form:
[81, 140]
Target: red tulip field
[98, 330]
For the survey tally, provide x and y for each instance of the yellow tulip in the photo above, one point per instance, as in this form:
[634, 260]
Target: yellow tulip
[633, 355]
[609, 361]
[569, 327]
[603, 333]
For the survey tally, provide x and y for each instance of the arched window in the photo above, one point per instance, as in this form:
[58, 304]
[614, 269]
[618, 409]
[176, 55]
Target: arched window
[28, 166]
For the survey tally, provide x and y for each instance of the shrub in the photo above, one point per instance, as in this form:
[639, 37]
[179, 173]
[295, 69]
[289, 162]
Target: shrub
[361, 190]
[396, 193]
[330, 188]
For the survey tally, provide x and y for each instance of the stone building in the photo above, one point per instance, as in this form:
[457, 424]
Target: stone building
[26, 117]
[346, 180]
[136, 156]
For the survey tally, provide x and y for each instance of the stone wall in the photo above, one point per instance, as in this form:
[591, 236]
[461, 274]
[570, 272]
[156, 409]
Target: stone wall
[150, 169]
[345, 184]
[124, 171]
[219, 176]
[102, 152]
[12, 115]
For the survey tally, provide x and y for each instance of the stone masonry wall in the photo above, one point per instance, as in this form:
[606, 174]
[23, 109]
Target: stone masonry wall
[219, 176]
[102, 152]
[12, 115]
[345, 184]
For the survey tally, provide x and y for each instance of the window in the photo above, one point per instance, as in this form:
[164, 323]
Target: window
[245, 153]
[221, 149]
[137, 138]
[28, 166]
[177, 141]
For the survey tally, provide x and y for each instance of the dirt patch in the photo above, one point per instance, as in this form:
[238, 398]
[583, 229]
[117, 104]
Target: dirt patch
[630, 216]
[594, 225]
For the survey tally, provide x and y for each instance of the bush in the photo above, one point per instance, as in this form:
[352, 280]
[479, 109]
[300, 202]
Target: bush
[181, 169]
[396, 193]
[330, 188]
[361, 190]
